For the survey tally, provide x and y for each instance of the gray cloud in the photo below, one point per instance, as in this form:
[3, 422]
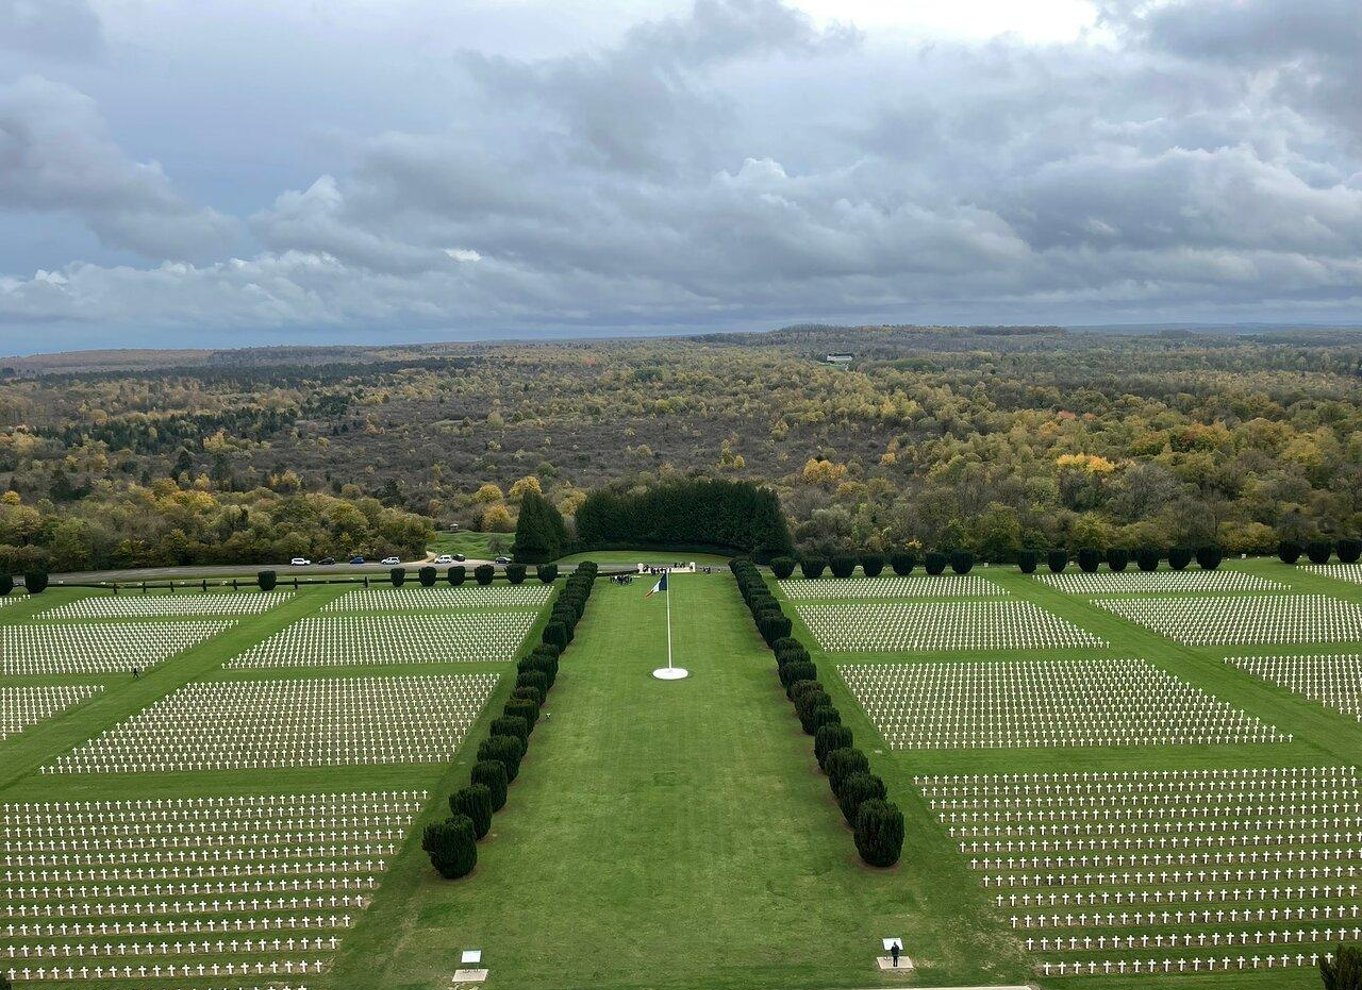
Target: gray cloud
[56, 28]
[737, 166]
[644, 104]
[1307, 51]
[56, 155]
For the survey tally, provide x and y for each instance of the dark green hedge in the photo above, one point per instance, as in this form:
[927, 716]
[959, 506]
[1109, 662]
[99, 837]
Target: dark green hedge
[879, 832]
[452, 846]
[474, 801]
[736, 516]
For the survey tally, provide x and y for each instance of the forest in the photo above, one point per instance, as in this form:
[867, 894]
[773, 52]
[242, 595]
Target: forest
[990, 440]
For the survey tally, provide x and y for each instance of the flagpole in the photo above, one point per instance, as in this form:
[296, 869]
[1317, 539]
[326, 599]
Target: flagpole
[669, 672]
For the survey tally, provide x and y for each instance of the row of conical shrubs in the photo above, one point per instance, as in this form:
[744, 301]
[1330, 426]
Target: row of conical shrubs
[1089, 559]
[877, 822]
[901, 563]
[452, 843]
[35, 582]
[1319, 551]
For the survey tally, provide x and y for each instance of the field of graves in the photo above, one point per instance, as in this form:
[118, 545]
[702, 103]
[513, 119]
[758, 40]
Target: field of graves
[1172, 803]
[1122, 780]
[226, 816]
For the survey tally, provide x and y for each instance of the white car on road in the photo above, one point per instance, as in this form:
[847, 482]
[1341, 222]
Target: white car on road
[391, 561]
[444, 558]
[299, 562]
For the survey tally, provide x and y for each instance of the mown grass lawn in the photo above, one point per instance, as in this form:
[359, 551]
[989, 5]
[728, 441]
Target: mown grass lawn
[478, 546]
[672, 835]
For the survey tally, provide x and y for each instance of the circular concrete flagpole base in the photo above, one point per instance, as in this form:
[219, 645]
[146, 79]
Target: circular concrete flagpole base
[670, 673]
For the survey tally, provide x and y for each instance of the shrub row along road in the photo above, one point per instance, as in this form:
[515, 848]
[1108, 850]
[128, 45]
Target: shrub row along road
[666, 834]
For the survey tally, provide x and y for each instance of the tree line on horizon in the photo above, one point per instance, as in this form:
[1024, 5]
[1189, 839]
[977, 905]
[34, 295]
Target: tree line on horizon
[954, 442]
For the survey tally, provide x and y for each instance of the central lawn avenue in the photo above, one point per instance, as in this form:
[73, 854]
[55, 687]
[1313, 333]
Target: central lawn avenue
[672, 834]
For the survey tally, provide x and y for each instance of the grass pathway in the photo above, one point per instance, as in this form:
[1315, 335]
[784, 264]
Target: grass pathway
[666, 835]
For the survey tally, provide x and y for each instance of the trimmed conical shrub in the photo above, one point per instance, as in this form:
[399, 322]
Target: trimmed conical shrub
[492, 775]
[879, 832]
[856, 788]
[475, 801]
[452, 846]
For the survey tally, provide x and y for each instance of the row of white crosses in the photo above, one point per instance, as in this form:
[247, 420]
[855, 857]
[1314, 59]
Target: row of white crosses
[1214, 940]
[170, 971]
[51, 925]
[1156, 582]
[1242, 619]
[1341, 572]
[1334, 680]
[347, 641]
[21, 707]
[1151, 966]
[235, 725]
[928, 586]
[1117, 861]
[434, 599]
[1021, 703]
[942, 626]
[209, 946]
[133, 606]
[98, 648]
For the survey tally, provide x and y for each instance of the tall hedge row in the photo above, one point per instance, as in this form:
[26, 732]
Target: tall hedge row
[729, 516]
[876, 822]
[452, 843]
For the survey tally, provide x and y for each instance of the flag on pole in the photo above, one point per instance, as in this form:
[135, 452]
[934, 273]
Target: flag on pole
[660, 586]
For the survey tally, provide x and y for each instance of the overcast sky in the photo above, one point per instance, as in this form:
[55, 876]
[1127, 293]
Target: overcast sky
[197, 172]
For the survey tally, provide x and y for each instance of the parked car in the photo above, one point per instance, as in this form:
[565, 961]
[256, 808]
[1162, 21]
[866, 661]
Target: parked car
[503, 560]
[459, 558]
[391, 561]
[444, 558]
[327, 561]
[357, 559]
[299, 562]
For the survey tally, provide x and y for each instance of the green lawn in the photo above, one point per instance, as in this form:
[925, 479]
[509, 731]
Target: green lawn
[479, 546]
[671, 835]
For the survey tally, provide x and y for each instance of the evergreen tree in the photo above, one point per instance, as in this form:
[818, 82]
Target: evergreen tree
[903, 562]
[492, 775]
[475, 801]
[539, 532]
[1344, 970]
[726, 516]
[452, 846]
[879, 832]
